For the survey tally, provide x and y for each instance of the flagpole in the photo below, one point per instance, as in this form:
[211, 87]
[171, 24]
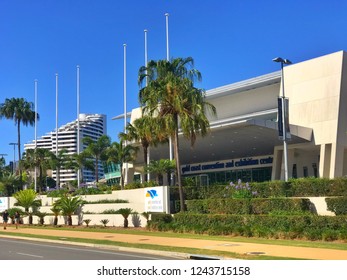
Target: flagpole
[146, 62]
[56, 124]
[35, 86]
[168, 59]
[125, 107]
[78, 123]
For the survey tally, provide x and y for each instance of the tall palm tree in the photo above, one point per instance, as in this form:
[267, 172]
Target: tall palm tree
[68, 205]
[21, 111]
[97, 150]
[118, 153]
[39, 158]
[27, 199]
[146, 130]
[171, 95]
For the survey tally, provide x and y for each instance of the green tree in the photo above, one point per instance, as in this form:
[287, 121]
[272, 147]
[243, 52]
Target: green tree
[9, 183]
[161, 167]
[69, 205]
[97, 150]
[21, 111]
[118, 153]
[27, 199]
[41, 160]
[125, 212]
[171, 95]
[56, 212]
[59, 161]
[146, 130]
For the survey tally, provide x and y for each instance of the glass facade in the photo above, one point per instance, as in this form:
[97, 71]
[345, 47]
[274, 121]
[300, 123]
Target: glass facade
[246, 175]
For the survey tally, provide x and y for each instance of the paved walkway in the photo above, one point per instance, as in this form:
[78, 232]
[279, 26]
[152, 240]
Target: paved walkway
[236, 247]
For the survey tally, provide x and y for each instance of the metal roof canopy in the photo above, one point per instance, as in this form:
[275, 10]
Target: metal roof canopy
[239, 139]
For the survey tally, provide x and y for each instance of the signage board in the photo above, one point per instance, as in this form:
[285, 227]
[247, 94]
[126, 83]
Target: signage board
[156, 199]
[3, 203]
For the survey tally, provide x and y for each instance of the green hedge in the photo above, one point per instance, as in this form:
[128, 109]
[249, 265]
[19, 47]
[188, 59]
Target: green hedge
[338, 205]
[309, 227]
[249, 206]
[302, 187]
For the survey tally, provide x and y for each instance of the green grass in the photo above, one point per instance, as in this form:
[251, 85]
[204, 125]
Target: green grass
[338, 245]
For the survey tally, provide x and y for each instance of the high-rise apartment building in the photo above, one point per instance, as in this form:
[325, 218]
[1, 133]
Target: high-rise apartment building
[91, 125]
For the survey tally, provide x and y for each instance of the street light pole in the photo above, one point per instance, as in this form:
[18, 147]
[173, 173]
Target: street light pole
[284, 114]
[14, 156]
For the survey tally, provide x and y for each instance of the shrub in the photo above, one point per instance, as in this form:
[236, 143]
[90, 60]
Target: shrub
[104, 222]
[338, 205]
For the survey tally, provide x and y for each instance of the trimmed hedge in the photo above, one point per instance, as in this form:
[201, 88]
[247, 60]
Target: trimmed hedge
[338, 205]
[302, 187]
[249, 206]
[309, 227]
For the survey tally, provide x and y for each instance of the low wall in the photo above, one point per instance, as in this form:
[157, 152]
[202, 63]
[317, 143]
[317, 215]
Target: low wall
[136, 201]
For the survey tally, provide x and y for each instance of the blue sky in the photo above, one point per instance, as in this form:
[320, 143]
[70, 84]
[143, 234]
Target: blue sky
[229, 41]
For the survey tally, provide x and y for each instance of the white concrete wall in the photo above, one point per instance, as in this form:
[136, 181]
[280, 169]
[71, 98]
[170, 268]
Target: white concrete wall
[136, 198]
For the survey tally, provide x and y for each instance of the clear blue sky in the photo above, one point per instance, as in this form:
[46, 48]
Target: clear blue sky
[229, 41]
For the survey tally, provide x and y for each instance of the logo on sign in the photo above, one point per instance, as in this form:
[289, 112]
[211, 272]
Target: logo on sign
[151, 193]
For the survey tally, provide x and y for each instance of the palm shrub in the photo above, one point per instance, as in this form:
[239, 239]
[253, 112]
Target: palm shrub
[87, 222]
[104, 222]
[69, 205]
[56, 211]
[125, 212]
[41, 216]
[27, 199]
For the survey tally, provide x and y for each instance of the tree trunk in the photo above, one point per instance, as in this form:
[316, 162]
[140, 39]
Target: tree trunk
[96, 169]
[19, 158]
[145, 153]
[178, 168]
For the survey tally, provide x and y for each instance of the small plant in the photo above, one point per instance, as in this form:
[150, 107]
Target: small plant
[239, 190]
[104, 222]
[87, 222]
[41, 216]
[125, 212]
[135, 219]
[146, 215]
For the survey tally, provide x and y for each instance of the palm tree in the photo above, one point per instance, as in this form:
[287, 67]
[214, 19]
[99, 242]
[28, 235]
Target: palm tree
[19, 110]
[9, 183]
[118, 153]
[125, 212]
[97, 150]
[56, 211]
[161, 167]
[69, 205]
[27, 199]
[39, 158]
[171, 95]
[59, 161]
[146, 130]
[80, 162]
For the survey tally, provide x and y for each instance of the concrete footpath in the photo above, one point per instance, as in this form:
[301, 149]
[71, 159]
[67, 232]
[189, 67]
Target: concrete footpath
[235, 247]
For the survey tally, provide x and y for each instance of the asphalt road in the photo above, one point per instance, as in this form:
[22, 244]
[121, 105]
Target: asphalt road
[14, 249]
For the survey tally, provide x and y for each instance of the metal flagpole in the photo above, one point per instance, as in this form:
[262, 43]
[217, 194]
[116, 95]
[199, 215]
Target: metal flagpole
[125, 107]
[168, 59]
[146, 62]
[56, 124]
[78, 123]
[35, 86]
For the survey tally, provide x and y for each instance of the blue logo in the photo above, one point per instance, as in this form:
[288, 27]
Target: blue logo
[151, 193]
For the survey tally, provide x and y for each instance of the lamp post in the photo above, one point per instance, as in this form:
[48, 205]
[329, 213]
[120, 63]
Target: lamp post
[14, 155]
[284, 115]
